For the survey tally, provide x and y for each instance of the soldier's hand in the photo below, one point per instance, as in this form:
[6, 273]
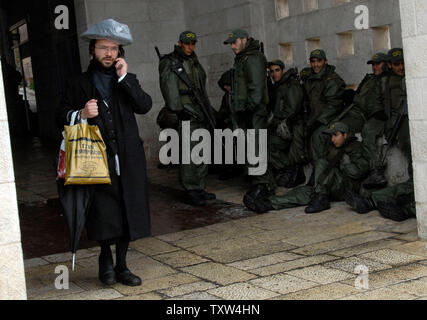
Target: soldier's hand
[90, 110]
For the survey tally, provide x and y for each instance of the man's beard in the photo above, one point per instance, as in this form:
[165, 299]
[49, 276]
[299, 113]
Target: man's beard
[101, 64]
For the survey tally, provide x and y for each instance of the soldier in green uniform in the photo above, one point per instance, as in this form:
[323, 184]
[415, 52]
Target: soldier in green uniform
[342, 169]
[223, 121]
[286, 138]
[178, 99]
[325, 90]
[370, 100]
[249, 109]
[394, 202]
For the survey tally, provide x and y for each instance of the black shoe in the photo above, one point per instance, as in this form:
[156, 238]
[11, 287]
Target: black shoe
[207, 196]
[297, 178]
[258, 205]
[392, 211]
[127, 278]
[195, 198]
[358, 203]
[319, 203]
[376, 179]
[284, 176]
[260, 191]
[106, 272]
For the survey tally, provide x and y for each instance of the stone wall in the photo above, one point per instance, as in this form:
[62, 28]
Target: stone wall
[160, 22]
[414, 33]
[12, 276]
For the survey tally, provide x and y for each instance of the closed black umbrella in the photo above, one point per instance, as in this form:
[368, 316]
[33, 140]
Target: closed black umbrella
[75, 201]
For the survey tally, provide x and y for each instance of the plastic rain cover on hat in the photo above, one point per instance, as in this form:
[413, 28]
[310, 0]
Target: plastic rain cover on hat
[111, 30]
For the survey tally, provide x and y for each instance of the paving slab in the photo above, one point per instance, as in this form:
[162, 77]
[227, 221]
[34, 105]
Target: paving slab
[144, 296]
[149, 285]
[320, 274]
[331, 291]
[342, 243]
[395, 275]
[218, 273]
[152, 246]
[392, 257]
[381, 294]
[366, 247]
[243, 291]
[239, 249]
[283, 283]
[185, 289]
[418, 248]
[291, 265]
[181, 258]
[263, 261]
[349, 264]
[102, 294]
[196, 296]
[416, 287]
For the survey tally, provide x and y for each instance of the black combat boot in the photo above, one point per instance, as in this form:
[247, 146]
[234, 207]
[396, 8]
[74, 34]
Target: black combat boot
[207, 196]
[319, 203]
[376, 179]
[195, 198]
[297, 178]
[393, 211]
[258, 205]
[358, 203]
[284, 176]
[259, 191]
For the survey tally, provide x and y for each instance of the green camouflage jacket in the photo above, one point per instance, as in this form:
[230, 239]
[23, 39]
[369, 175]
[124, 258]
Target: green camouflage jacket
[174, 90]
[288, 97]
[250, 80]
[325, 93]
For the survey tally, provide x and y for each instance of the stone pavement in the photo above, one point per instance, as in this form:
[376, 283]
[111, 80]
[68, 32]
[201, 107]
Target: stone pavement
[279, 255]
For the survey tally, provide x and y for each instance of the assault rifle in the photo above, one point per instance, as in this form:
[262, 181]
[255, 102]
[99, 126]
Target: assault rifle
[392, 135]
[196, 95]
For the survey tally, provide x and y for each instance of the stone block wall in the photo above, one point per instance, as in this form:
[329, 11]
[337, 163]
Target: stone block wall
[12, 276]
[414, 34]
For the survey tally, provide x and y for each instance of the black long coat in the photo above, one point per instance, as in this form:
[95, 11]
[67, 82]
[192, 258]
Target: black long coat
[120, 209]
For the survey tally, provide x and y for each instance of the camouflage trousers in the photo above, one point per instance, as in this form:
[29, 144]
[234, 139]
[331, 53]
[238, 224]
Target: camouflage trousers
[285, 153]
[255, 120]
[403, 193]
[192, 176]
[334, 184]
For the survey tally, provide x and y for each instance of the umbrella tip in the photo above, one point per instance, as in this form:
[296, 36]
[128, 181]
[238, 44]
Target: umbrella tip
[74, 260]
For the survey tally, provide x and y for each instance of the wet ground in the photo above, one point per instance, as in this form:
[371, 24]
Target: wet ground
[43, 228]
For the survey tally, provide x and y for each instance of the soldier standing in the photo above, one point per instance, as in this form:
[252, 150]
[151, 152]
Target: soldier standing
[286, 150]
[250, 100]
[178, 98]
[325, 90]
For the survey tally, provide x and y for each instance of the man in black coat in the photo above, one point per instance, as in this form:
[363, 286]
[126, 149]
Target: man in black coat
[108, 96]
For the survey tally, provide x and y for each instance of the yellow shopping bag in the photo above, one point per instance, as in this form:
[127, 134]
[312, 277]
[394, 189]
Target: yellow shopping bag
[86, 155]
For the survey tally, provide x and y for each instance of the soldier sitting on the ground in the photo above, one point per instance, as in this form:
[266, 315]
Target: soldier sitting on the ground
[343, 169]
[286, 151]
[394, 202]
